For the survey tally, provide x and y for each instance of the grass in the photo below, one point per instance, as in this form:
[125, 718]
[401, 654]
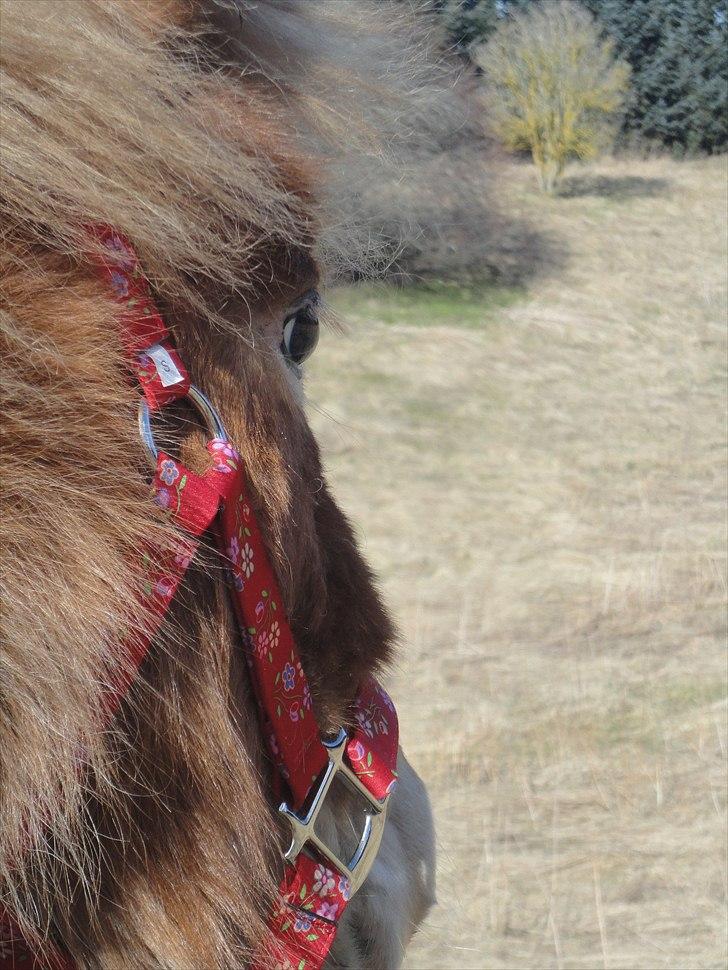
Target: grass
[539, 477]
[426, 305]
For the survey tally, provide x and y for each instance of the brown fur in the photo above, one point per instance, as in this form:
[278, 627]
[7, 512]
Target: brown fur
[164, 853]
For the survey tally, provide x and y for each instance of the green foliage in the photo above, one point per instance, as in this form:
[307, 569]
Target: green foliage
[675, 48]
[677, 52]
[555, 86]
[471, 22]
[431, 304]
[468, 21]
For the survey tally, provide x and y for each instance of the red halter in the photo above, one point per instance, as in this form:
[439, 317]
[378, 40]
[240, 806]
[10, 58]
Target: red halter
[316, 887]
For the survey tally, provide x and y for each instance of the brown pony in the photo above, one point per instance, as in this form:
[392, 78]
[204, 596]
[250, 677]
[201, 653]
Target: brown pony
[217, 137]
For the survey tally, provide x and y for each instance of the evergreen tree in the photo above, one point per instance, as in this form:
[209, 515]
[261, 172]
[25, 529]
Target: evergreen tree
[677, 52]
[468, 21]
[554, 85]
[675, 48]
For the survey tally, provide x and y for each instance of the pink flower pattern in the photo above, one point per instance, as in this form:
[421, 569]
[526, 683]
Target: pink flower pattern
[327, 910]
[324, 881]
[226, 458]
[184, 554]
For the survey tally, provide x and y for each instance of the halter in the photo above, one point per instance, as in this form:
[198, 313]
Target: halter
[317, 882]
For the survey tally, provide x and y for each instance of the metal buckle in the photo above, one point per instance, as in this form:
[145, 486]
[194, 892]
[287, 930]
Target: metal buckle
[204, 408]
[357, 868]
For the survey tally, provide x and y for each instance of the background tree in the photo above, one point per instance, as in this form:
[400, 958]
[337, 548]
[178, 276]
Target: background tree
[471, 22]
[468, 21]
[675, 48]
[677, 52]
[555, 86]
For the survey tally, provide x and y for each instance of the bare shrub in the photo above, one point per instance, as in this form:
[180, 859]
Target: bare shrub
[555, 86]
[435, 213]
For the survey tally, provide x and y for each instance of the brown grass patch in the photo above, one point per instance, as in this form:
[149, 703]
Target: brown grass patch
[544, 498]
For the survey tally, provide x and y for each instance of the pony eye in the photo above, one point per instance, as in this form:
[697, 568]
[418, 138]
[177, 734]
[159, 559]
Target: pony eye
[300, 335]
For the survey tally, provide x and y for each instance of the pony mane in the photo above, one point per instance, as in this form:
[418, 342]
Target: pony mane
[224, 139]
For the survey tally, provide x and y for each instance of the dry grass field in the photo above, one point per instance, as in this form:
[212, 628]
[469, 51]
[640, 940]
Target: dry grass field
[539, 476]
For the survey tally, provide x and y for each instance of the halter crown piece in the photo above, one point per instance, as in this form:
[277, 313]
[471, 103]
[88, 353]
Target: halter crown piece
[317, 883]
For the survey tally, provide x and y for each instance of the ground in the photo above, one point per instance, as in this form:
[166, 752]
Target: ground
[539, 476]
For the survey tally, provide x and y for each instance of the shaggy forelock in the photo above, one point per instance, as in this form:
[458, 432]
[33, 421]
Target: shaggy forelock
[165, 130]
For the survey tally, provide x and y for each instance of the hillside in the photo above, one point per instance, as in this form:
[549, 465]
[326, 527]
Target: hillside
[538, 475]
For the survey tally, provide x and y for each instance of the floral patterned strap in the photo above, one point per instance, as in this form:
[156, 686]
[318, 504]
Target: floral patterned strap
[192, 503]
[147, 344]
[312, 895]
[374, 742]
[281, 688]
[312, 899]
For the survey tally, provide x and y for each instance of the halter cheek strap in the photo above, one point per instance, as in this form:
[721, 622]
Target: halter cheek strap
[317, 883]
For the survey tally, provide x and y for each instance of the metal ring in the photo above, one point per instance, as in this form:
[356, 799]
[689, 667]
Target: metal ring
[204, 408]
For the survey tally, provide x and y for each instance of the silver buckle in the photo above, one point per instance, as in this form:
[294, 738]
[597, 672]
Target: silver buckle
[303, 828]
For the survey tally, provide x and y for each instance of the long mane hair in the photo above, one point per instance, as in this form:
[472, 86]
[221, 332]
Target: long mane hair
[220, 138]
[173, 122]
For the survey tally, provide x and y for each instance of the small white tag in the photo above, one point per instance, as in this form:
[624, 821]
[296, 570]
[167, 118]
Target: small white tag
[166, 367]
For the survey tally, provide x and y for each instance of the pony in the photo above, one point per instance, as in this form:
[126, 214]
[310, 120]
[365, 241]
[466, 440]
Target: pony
[223, 139]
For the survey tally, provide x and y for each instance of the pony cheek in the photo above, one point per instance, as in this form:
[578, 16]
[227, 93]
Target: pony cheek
[293, 374]
[400, 889]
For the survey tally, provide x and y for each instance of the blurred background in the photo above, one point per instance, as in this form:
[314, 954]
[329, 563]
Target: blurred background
[527, 421]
